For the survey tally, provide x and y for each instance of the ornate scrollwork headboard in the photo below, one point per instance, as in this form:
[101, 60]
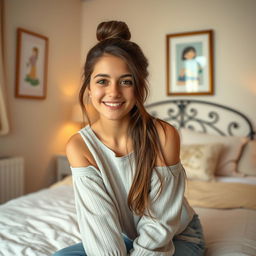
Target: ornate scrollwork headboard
[203, 116]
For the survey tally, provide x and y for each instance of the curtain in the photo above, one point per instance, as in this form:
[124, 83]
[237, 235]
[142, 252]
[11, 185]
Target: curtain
[4, 123]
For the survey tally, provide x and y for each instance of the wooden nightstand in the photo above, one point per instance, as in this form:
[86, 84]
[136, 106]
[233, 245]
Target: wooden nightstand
[63, 168]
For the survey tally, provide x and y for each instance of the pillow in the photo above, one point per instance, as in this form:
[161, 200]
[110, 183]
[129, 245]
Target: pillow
[200, 160]
[232, 149]
[247, 162]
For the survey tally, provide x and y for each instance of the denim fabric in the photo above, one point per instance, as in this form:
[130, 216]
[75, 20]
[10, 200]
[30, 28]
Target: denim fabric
[189, 243]
[78, 249]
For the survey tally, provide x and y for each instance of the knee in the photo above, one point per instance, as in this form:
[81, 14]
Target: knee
[62, 252]
[73, 250]
[57, 254]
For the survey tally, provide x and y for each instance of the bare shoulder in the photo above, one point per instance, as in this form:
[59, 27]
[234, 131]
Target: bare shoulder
[78, 153]
[170, 143]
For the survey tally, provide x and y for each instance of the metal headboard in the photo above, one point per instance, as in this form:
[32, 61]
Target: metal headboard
[203, 116]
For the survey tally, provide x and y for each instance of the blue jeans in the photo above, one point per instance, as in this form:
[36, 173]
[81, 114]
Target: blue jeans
[182, 247]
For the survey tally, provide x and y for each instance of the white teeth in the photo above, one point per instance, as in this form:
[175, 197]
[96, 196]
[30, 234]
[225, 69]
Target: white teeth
[112, 104]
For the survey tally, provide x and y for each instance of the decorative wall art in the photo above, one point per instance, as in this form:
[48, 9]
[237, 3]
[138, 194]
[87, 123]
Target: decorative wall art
[31, 65]
[190, 63]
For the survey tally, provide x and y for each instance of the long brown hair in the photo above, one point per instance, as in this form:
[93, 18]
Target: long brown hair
[114, 39]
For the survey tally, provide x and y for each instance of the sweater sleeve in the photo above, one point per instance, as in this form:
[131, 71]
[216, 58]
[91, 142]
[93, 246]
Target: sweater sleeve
[155, 234]
[96, 213]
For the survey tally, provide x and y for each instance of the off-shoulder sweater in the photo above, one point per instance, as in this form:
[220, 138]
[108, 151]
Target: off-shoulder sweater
[102, 209]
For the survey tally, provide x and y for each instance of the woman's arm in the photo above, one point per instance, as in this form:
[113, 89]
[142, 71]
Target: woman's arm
[170, 144]
[97, 217]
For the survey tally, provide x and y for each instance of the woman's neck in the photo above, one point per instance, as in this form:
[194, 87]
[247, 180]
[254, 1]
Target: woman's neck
[114, 134]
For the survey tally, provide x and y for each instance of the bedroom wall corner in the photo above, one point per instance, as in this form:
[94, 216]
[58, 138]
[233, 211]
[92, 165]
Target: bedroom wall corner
[40, 128]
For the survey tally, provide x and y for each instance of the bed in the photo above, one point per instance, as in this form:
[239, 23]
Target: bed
[218, 152]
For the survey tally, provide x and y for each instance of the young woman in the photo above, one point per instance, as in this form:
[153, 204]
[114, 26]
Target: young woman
[128, 179]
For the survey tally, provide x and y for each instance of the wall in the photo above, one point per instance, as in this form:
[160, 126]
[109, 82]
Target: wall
[233, 22]
[40, 128]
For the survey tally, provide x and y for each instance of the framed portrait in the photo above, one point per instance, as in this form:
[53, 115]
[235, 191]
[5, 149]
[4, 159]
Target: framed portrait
[190, 63]
[31, 65]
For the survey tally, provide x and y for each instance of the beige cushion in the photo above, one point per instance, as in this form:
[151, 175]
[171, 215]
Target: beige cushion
[233, 146]
[247, 162]
[200, 160]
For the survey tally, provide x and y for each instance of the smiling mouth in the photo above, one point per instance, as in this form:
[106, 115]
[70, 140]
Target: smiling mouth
[113, 105]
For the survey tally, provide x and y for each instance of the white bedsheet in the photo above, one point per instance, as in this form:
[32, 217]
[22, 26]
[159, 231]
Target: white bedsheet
[39, 223]
[44, 222]
[230, 232]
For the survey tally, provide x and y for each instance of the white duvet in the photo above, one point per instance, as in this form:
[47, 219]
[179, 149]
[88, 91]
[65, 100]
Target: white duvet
[39, 224]
[44, 222]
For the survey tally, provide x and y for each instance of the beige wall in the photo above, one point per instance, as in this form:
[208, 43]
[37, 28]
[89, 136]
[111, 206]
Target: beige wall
[233, 22]
[40, 128]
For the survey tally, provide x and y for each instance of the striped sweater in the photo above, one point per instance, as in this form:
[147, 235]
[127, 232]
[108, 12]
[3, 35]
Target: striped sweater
[103, 213]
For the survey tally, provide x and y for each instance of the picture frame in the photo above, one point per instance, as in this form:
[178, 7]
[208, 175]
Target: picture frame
[31, 65]
[189, 63]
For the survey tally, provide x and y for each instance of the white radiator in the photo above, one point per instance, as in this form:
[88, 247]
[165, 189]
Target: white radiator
[11, 178]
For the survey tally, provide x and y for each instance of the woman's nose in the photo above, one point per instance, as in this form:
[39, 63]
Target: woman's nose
[114, 90]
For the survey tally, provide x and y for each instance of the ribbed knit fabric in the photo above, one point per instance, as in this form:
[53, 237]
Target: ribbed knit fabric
[102, 209]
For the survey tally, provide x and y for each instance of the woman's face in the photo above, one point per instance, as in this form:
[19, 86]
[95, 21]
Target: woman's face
[111, 88]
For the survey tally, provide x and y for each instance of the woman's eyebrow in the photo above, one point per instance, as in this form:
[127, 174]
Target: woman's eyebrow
[126, 75]
[101, 75]
[106, 75]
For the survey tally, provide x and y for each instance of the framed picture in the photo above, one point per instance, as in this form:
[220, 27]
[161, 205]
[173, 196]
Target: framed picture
[190, 63]
[31, 65]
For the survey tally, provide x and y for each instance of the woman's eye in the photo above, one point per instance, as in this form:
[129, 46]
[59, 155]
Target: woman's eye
[102, 82]
[126, 82]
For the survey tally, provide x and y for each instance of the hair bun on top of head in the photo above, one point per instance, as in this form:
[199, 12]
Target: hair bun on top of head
[113, 29]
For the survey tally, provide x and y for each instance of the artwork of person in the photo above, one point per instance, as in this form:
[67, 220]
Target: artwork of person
[191, 69]
[31, 77]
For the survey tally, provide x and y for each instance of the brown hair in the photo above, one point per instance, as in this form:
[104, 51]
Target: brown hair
[114, 40]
